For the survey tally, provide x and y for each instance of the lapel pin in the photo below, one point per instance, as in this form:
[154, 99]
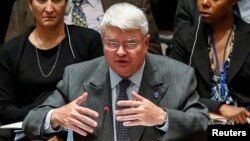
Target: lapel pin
[156, 94]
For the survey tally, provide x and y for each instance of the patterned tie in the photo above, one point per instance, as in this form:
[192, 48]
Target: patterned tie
[122, 132]
[78, 17]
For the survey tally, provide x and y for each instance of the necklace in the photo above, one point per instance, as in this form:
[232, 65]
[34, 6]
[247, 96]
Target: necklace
[53, 67]
[221, 76]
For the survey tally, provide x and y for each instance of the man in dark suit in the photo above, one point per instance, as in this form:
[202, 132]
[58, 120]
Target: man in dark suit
[186, 14]
[161, 101]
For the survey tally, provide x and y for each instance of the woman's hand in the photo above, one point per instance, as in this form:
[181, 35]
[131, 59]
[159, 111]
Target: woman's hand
[238, 114]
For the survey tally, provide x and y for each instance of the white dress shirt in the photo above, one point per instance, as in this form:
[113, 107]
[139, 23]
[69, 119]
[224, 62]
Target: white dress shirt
[244, 7]
[93, 11]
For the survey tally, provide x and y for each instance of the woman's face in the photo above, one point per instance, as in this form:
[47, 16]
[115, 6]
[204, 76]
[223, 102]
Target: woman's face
[48, 13]
[212, 11]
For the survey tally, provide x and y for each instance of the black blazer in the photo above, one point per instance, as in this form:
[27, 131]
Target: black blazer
[187, 14]
[239, 70]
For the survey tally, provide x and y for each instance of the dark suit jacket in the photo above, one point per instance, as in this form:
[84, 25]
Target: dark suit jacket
[22, 18]
[173, 81]
[186, 14]
[239, 69]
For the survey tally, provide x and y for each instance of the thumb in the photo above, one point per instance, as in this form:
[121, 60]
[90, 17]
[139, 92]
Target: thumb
[81, 98]
[137, 97]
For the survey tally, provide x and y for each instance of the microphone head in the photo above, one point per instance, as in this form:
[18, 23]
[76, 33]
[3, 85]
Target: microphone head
[106, 108]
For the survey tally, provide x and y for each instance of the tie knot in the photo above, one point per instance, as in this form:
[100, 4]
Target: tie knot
[124, 84]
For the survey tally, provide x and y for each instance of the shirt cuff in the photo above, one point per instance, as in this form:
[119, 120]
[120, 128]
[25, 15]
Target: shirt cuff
[164, 127]
[47, 126]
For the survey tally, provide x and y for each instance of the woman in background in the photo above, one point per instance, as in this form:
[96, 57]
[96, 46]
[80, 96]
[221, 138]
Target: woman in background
[33, 63]
[219, 52]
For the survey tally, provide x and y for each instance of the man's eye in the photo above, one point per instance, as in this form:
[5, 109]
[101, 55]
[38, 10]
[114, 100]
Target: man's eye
[130, 45]
[113, 44]
[42, 1]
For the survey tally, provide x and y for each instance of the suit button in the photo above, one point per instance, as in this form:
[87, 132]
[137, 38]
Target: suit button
[35, 132]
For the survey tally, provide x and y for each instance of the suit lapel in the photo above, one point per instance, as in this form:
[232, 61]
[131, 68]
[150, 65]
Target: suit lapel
[201, 59]
[99, 90]
[240, 53]
[153, 88]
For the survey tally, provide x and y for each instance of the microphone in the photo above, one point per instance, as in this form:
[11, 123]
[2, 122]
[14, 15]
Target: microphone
[106, 109]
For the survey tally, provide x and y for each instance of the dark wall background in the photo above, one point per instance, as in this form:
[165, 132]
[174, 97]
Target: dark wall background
[5, 10]
[164, 13]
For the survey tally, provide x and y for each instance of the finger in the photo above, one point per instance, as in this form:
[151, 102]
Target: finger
[81, 98]
[129, 103]
[128, 117]
[75, 128]
[241, 116]
[86, 120]
[78, 130]
[83, 126]
[137, 97]
[132, 123]
[248, 120]
[235, 119]
[87, 111]
[247, 113]
[83, 117]
[127, 111]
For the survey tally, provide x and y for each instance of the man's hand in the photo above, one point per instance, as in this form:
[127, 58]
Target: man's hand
[75, 117]
[141, 111]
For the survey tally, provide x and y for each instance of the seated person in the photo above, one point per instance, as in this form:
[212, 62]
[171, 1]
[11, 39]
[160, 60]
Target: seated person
[33, 63]
[21, 18]
[219, 53]
[128, 94]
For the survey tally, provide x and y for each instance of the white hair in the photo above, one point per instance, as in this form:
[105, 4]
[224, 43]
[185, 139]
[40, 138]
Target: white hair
[125, 16]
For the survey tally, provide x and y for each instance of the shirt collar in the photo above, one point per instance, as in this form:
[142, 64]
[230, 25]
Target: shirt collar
[91, 2]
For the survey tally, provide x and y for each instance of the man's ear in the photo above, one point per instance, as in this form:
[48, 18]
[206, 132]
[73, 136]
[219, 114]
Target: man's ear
[146, 41]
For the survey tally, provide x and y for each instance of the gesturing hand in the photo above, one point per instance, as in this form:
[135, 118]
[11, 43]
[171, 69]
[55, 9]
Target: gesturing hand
[75, 117]
[142, 112]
